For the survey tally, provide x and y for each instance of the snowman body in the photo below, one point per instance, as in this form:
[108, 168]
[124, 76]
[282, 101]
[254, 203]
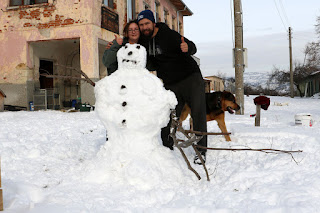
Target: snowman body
[132, 103]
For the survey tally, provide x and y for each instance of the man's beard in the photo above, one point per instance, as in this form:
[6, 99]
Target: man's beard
[148, 34]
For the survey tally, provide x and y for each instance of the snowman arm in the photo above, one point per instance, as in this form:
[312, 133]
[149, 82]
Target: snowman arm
[110, 55]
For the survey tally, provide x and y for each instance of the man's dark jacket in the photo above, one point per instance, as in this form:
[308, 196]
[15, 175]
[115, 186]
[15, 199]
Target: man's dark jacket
[164, 52]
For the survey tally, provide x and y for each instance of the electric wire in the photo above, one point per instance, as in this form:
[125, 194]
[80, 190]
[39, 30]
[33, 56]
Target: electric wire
[284, 12]
[285, 28]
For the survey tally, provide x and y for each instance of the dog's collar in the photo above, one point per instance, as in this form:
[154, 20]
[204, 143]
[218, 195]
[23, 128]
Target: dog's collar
[219, 100]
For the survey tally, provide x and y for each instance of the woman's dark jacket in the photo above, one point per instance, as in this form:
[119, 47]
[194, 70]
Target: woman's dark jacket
[109, 58]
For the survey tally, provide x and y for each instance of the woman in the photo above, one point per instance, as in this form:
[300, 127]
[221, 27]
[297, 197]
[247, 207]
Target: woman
[131, 35]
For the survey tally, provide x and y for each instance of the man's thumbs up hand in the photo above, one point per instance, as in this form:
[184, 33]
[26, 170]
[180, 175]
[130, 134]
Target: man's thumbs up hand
[183, 45]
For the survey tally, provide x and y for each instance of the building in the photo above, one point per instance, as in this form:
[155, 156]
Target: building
[2, 96]
[311, 84]
[45, 44]
[216, 83]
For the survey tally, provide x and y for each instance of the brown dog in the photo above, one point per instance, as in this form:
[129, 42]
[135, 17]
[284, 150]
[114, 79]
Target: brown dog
[216, 104]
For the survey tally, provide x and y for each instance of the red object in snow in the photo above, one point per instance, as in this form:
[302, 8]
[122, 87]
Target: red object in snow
[263, 101]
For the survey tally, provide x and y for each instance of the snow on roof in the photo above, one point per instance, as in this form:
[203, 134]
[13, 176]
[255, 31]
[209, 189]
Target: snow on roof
[316, 72]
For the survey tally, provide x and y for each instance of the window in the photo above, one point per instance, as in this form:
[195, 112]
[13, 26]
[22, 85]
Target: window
[146, 6]
[26, 2]
[108, 3]
[157, 6]
[180, 28]
[131, 9]
[174, 23]
[165, 15]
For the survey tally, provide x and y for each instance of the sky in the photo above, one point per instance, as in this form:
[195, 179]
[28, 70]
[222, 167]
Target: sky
[265, 32]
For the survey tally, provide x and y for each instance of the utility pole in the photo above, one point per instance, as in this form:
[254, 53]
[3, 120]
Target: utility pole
[238, 55]
[291, 70]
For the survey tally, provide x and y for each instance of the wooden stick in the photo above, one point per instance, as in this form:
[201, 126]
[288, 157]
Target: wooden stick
[258, 114]
[79, 71]
[1, 200]
[206, 133]
[1, 197]
[174, 123]
[202, 161]
[249, 149]
[257, 150]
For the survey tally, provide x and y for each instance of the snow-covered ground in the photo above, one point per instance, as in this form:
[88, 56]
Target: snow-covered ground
[52, 162]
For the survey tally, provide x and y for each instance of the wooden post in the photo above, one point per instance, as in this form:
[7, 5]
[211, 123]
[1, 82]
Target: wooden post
[1, 200]
[291, 68]
[1, 197]
[258, 110]
[238, 55]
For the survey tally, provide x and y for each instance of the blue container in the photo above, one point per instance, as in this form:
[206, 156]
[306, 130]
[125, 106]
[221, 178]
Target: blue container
[73, 104]
[31, 106]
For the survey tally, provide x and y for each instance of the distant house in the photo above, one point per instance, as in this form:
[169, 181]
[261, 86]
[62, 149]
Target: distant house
[311, 84]
[2, 96]
[216, 83]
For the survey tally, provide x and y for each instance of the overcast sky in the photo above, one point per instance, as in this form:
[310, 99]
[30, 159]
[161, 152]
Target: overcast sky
[266, 24]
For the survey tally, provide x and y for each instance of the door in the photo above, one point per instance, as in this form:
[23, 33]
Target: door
[46, 68]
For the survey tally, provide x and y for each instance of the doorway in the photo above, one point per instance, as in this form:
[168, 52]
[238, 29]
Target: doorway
[46, 68]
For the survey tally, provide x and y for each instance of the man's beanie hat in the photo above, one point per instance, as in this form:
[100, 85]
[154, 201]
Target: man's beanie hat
[148, 14]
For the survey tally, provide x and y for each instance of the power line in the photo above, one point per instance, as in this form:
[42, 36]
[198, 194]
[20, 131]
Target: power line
[285, 28]
[284, 12]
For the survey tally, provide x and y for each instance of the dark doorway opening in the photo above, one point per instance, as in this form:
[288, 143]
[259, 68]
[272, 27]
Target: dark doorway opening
[46, 68]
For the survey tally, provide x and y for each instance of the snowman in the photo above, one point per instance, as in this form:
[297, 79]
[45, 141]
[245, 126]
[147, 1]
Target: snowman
[133, 105]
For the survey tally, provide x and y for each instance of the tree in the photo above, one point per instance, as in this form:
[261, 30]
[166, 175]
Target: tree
[312, 50]
[311, 63]
[318, 26]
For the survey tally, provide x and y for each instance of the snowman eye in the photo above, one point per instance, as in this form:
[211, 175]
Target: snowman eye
[138, 47]
[126, 46]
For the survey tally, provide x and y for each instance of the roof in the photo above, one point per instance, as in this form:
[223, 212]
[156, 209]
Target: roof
[182, 7]
[2, 93]
[213, 76]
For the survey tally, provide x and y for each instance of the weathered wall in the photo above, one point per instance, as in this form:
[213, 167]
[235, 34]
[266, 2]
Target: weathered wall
[1, 103]
[57, 20]
[22, 28]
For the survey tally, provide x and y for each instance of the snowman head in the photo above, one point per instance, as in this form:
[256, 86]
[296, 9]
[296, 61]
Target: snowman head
[132, 56]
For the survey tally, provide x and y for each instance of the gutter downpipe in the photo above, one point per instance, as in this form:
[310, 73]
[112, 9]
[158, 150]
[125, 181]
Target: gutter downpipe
[178, 17]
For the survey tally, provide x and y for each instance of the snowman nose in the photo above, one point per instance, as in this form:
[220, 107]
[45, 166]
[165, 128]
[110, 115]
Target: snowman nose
[130, 53]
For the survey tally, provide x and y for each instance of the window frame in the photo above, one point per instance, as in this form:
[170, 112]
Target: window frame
[108, 3]
[25, 2]
[146, 6]
[166, 16]
[157, 11]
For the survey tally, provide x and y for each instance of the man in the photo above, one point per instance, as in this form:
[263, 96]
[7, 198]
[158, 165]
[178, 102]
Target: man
[170, 54]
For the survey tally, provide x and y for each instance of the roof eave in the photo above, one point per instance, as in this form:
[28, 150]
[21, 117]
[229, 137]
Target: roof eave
[182, 7]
